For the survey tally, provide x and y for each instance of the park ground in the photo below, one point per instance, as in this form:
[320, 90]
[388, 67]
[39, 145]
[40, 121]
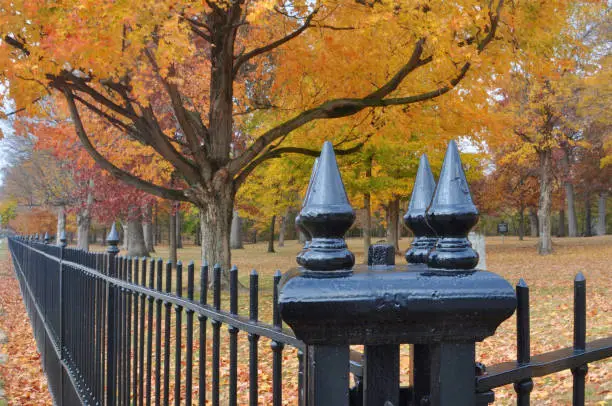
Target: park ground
[549, 277]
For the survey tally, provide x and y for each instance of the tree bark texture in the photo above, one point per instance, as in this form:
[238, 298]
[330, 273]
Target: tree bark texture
[533, 222]
[367, 225]
[147, 229]
[172, 234]
[561, 231]
[588, 232]
[281, 231]
[572, 221]
[393, 223]
[124, 233]
[136, 246]
[84, 221]
[236, 232]
[61, 223]
[271, 239]
[179, 228]
[521, 228]
[545, 203]
[601, 213]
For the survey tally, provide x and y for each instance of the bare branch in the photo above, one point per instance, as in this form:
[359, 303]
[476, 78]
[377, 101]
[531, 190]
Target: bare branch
[274, 152]
[267, 48]
[105, 164]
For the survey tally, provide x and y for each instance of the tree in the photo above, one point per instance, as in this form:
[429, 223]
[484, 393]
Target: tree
[537, 92]
[8, 212]
[134, 67]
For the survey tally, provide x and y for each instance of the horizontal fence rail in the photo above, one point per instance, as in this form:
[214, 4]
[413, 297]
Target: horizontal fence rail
[115, 330]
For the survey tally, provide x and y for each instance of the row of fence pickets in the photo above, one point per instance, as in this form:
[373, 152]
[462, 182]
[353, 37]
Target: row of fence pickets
[146, 285]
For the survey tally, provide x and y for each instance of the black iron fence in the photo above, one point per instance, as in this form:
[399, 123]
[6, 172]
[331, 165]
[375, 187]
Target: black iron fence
[120, 331]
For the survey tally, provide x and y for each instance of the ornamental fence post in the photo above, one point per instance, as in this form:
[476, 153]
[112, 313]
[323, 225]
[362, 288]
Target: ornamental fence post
[438, 302]
[111, 368]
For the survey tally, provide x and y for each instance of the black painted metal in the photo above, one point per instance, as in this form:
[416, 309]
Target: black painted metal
[452, 214]
[422, 193]
[580, 371]
[253, 339]
[233, 339]
[216, 325]
[326, 216]
[97, 346]
[523, 388]
[298, 218]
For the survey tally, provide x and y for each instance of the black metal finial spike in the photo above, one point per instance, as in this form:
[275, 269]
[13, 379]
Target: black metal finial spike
[62, 239]
[112, 239]
[422, 193]
[298, 218]
[46, 238]
[326, 216]
[452, 215]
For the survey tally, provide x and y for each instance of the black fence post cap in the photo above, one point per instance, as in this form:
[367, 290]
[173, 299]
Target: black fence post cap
[422, 193]
[62, 239]
[46, 238]
[452, 214]
[381, 256]
[326, 216]
[113, 240]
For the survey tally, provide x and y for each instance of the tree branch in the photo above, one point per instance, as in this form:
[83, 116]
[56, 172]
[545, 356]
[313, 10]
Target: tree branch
[118, 173]
[274, 152]
[258, 51]
[345, 107]
[186, 123]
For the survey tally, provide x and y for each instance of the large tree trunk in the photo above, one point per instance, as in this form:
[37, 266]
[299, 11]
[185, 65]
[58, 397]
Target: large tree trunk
[147, 229]
[124, 228]
[545, 203]
[393, 223]
[136, 246]
[533, 222]
[281, 231]
[83, 224]
[84, 221]
[601, 213]
[271, 240]
[236, 232]
[61, 223]
[521, 228]
[215, 223]
[587, 215]
[172, 235]
[367, 226]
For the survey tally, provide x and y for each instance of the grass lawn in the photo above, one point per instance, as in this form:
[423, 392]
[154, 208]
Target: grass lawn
[549, 277]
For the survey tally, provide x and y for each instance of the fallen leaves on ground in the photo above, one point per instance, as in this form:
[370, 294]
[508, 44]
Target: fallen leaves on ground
[22, 376]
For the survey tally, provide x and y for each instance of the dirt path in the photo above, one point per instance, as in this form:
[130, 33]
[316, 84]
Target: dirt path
[21, 375]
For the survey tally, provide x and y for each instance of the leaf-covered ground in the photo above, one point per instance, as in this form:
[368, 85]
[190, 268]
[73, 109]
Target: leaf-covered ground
[550, 279]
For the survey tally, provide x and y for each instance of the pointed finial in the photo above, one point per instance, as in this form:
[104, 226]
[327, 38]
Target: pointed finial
[326, 216]
[298, 218]
[113, 240]
[579, 277]
[422, 193]
[62, 239]
[522, 284]
[452, 215]
[37, 237]
[46, 238]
